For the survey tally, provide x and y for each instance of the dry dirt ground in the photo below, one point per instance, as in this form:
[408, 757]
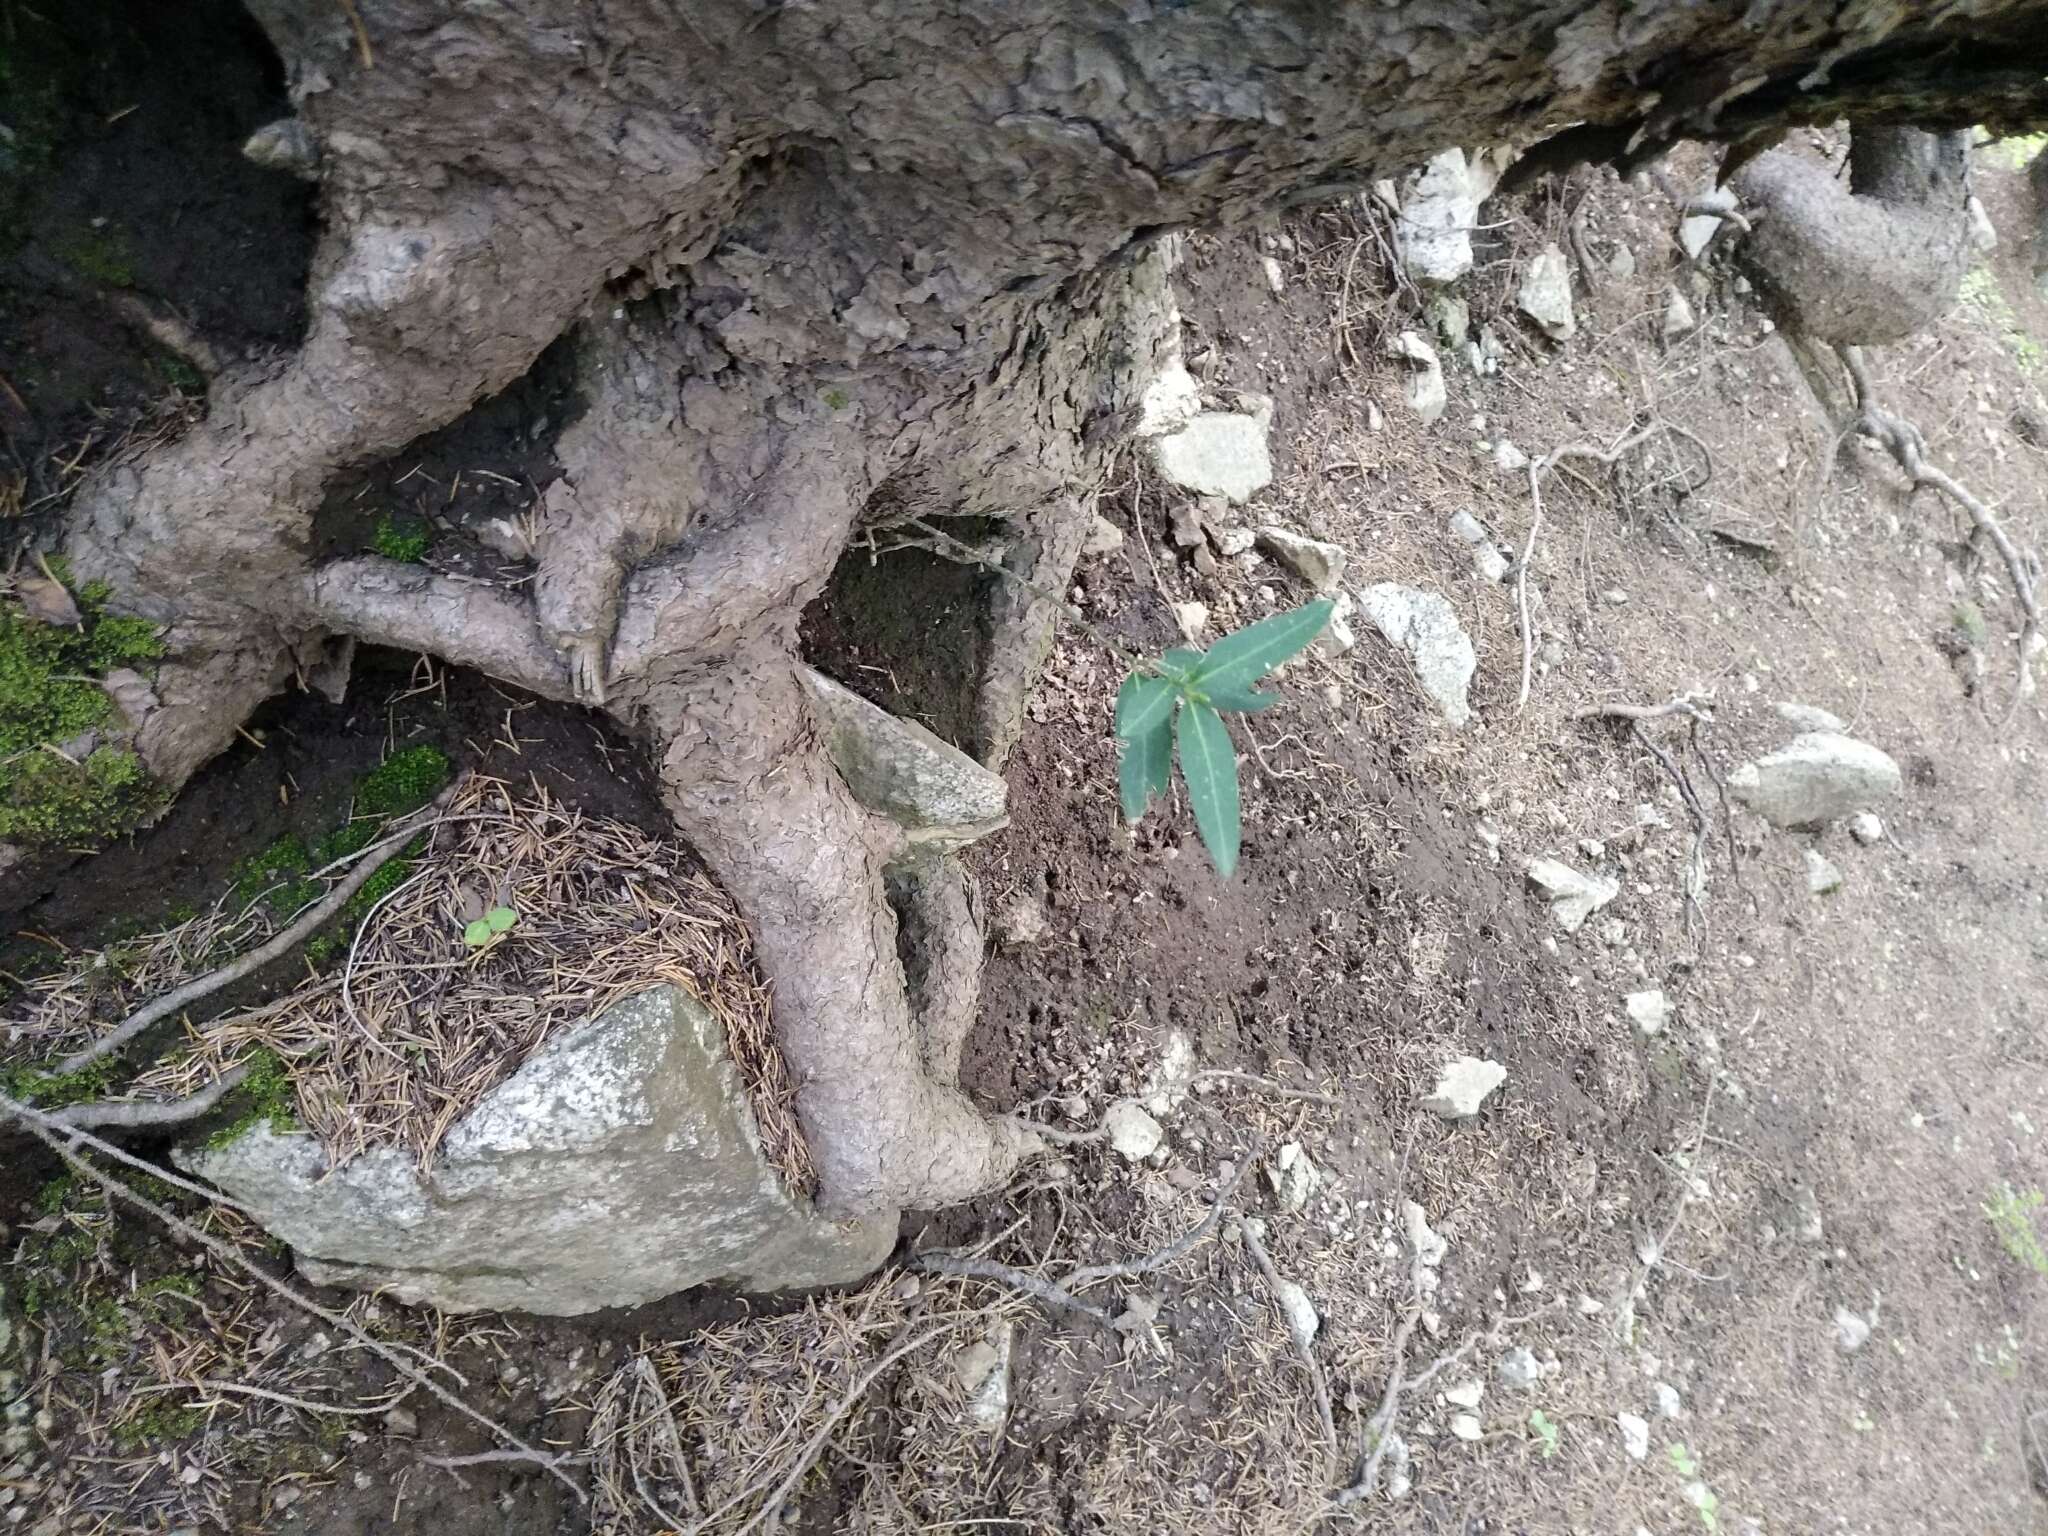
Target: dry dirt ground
[1843, 1114]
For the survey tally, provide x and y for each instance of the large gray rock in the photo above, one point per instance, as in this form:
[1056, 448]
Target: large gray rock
[1426, 627]
[1218, 453]
[897, 767]
[620, 1164]
[1816, 777]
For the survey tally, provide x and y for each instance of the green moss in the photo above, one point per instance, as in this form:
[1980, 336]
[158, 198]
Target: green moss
[280, 871]
[157, 1425]
[100, 256]
[403, 782]
[400, 539]
[265, 1095]
[57, 1090]
[48, 697]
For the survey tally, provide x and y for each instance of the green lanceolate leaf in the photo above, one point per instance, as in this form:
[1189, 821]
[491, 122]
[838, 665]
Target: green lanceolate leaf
[1180, 661]
[1143, 704]
[1208, 765]
[1241, 659]
[1243, 700]
[1145, 769]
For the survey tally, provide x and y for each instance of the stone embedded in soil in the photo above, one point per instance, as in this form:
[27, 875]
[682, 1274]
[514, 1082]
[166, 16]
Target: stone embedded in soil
[1466, 1394]
[1668, 1402]
[1462, 1087]
[1509, 459]
[1816, 777]
[1852, 1331]
[1573, 897]
[1104, 537]
[1519, 1368]
[1192, 619]
[1293, 1177]
[1635, 1434]
[1466, 1426]
[1337, 636]
[1822, 878]
[1426, 1246]
[1648, 1010]
[1546, 294]
[619, 1165]
[1696, 231]
[1678, 317]
[1423, 386]
[1302, 1319]
[1021, 922]
[1866, 827]
[983, 1369]
[1218, 453]
[1134, 1134]
[1433, 229]
[943, 797]
[1426, 626]
[1319, 564]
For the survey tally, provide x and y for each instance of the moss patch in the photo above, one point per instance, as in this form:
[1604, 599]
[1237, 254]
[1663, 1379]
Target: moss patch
[48, 696]
[265, 1095]
[57, 1090]
[400, 539]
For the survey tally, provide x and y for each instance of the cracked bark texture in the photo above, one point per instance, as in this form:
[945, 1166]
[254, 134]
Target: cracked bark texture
[821, 263]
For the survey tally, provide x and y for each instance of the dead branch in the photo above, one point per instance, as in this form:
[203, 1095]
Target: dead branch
[1698, 705]
[1160, 1258]
[1267, 1085]
[1253, 1245]
[1908, 448]
[63, 1140]
[374, 859]
[1017, 1279]
[1380, 1426]
[138, 1114]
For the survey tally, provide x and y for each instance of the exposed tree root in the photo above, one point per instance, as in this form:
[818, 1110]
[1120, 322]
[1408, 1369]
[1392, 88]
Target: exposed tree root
[1902, 440]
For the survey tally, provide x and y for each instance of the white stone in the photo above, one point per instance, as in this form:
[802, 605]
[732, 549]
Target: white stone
[1635, 1434]
[1509, 459]
[1167, 1083]
[1678, 317]
[1426, 1247]
[1462, 1086]
[1866, 827]
[1668, 1402]
[1487, 560]
[988, 1393]
[1300, 1312]
[1546, 294]
[1437, 208]
[1276, 279]
[1851, 1331]
[1573, 897]
[1423, 387]
[1319, 564]
[1806, 717]
[1293, 1177]
[1104, 537]
[1134, 1134]
[1519, 1368]
[1983, 233]
[1466, 1394]
[1695, 232]
[1816, 777]
[619, 1165]
[1822, 878]
[943, 797]
[1193, 619]
[1218, 453]
[1466, 1426]
[1648, 1010]
[1426, 626]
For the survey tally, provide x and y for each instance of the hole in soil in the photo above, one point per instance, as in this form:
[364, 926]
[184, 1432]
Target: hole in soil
[432, 498]
[122, 176]
[907, 631]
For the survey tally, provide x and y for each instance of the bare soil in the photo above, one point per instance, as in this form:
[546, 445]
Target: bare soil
[1874, 1056]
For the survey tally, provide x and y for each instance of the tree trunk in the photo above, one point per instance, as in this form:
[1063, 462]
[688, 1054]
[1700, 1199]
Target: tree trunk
[827, 267]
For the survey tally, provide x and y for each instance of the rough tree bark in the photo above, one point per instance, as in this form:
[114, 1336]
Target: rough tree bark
[825, 265]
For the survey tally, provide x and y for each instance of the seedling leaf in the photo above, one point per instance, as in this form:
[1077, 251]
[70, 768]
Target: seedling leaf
[1241, 659]
[477, 934]
[1145, 769]
[1143, 704]
[1208, 765]
[500, 919]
